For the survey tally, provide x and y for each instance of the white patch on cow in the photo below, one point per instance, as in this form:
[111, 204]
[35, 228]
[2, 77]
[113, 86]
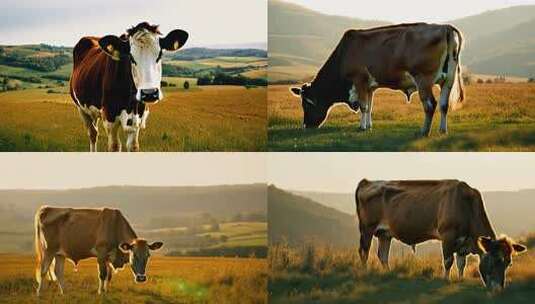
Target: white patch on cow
[353, 94]
[146, 113]
[146, 72]
[308, 100]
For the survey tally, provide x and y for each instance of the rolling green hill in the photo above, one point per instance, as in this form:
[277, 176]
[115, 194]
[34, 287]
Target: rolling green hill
[499, 42]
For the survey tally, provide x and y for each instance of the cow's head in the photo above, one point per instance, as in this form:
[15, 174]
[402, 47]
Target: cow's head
[143, 47]
[139, 253]
[496, 258]
[314, 112]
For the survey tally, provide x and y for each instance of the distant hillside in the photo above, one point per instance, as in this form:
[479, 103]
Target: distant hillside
[500, 42]
[511, 212]
[143, 205]
[298, 219]
[204, 53]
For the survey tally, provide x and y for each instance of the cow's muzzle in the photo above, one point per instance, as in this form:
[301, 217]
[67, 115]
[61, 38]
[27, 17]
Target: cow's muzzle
[141, 278]
[149, 95]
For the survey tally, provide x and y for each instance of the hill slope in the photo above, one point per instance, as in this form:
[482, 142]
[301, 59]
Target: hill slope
[497, 42]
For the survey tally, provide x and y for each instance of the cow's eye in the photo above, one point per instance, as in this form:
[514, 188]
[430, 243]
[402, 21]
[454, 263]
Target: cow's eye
[159, 56]
[132, 60]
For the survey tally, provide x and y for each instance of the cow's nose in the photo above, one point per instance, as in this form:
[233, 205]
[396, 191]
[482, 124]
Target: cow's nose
[140, 278]
[149, 95]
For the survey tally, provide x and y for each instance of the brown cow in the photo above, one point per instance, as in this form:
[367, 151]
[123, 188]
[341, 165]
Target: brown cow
[77, 234]
[116, 77]
[406, 57]
[447, 210]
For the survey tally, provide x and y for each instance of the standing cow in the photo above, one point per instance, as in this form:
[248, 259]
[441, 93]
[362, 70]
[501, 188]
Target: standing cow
[447, 210]
[77, 234]
[406, 57]
[116, 77]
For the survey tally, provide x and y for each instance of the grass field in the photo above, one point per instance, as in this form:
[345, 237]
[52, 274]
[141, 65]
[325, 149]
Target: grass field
[215, 118]
[324, 275]
[170, 280]
[493, 117]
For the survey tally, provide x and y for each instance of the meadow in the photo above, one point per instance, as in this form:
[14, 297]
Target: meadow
[493, 117]
[322, 274]
[170, 280]
[208, 118]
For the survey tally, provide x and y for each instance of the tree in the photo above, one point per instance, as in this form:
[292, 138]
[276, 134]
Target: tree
[186, 85]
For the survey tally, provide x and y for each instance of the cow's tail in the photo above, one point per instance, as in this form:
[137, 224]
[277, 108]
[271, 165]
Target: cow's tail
[38, 248]
[455, 44]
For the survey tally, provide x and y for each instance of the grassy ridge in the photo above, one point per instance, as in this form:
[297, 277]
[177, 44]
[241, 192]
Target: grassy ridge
[322, 274]
[170, 280]
[495, 117]
[209, 119]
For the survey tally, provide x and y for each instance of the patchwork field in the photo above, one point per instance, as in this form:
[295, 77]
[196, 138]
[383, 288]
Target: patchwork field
[170, 280]
[325, 275]
[211, 118]
[493, 117]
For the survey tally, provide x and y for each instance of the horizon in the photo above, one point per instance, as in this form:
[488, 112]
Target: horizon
[133, 185]
[28, 21]
[384, 10]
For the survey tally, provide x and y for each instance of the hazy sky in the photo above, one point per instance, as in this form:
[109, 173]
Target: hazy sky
[64, 22]
[80, 170]
[407, 10]
[341, 172]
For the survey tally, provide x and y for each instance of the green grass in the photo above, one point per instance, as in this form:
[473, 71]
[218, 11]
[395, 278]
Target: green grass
[493, 118]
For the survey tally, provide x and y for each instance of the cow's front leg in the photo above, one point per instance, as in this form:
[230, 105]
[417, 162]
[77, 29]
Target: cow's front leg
[447, 254]
[366, 114]
[132, 139]
[383, 249]
[114, 142]
[102, 275]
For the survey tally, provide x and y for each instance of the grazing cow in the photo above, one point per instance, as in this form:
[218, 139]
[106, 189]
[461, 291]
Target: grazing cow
[447, 210]
[77, 234]
[116, 77]
[406, 57]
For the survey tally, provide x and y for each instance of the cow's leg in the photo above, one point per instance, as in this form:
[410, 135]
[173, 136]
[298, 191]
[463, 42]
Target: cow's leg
[444, 107]
[461, 263]
[108, 278]
[366, 235]
[384, 248]
[369, 113]
[447, 254]
[42, 271]
[132, 140]
[102, 275]
[114, 142]
[91, 125]
[425, 89]
[59, 267]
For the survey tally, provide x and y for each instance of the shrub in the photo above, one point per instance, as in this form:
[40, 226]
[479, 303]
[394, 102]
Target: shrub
[186, 85]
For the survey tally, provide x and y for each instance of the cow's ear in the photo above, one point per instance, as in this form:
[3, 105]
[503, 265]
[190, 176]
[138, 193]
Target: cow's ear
[114, 47]
[519, 248]
[174, 40]
[296, 91]
[155, 245]
[484, 243]
[125, 247]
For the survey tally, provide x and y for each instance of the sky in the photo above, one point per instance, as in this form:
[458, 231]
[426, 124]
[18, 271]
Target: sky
[64, 22]
[341, 172]
[407, 10]
[84, 170]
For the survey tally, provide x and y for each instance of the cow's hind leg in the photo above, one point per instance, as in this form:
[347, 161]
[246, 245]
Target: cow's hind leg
[42, 271]
[366, 235]
[91, 124]
[114, 141]
[132, 140]
[461, 263]
[384, 246]
[108, 278]
[59, 267]
[102, 275]
[447, 254]
[425, 89]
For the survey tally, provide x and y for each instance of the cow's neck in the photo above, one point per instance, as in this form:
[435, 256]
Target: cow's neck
[329, 86]
[126, 232]
[120, 78]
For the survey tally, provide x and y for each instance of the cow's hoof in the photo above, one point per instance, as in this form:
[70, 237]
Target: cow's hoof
[422, 134]
[443, 132]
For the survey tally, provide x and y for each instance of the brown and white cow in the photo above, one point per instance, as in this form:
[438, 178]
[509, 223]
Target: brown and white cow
[77, 234]
[420, 210]
[116, 77]
[407, 57]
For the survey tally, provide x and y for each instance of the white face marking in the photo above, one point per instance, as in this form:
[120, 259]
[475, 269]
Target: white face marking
[147, 73]
[353, 94]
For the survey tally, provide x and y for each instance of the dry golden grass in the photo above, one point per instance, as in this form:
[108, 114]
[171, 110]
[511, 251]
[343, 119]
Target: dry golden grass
[494, 117]
[216, 118]
[170, 280]
[322, 274]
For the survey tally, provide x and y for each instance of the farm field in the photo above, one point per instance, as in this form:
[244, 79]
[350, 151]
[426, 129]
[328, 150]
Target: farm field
[493, 117]
[211, 118]
[170, 280]
[325, 275]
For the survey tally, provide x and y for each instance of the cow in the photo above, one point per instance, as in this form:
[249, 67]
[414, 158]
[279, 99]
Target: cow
[77, 234]
[408, 57]
[450, 211]
[117, 77]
